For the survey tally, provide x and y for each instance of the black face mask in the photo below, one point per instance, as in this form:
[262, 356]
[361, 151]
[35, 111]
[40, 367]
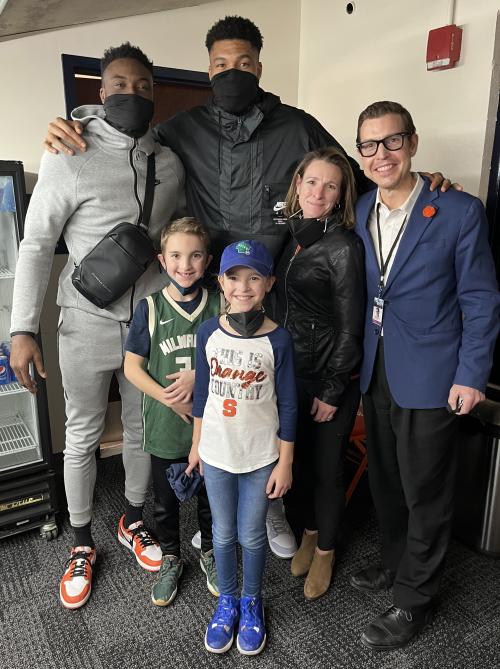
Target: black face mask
[246, 323]
[307, 231]
[235, 90]
[129, 113]
[188, 289]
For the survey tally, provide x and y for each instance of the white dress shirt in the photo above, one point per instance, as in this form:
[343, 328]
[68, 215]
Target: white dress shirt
[390, 224]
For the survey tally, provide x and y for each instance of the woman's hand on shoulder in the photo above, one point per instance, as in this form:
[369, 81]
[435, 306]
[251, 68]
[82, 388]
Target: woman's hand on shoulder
[321, 411]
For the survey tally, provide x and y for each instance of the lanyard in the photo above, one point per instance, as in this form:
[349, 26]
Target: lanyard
[384, 264]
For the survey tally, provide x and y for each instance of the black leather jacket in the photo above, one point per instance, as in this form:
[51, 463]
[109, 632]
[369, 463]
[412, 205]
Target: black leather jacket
[320, 299]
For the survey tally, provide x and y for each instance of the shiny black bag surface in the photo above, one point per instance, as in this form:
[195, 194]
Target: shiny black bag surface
[120, 258]
[114, 265]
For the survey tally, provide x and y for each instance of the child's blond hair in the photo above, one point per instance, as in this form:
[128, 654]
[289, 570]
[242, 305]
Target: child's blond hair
[187, 225]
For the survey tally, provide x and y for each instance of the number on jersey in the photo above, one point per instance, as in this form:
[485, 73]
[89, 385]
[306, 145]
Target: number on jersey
[184, 363]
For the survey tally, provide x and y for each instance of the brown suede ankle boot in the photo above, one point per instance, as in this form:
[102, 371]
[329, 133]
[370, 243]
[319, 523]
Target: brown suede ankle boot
[320, 575]
[302, 559]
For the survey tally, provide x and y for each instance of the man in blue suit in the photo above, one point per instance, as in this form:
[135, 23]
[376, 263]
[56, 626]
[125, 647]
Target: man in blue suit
[431, 324]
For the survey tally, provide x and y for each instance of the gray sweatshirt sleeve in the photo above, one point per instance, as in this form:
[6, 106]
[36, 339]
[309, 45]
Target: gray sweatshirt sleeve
[53, 202]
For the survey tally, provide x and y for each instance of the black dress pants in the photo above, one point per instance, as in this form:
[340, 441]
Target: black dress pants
[166, 510]
[412, 458]
[316, 500]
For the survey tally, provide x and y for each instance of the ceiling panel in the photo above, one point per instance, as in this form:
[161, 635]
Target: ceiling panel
[24, 17]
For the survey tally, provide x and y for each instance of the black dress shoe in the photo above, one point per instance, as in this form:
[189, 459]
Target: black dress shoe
[394, 628]
[372, 579]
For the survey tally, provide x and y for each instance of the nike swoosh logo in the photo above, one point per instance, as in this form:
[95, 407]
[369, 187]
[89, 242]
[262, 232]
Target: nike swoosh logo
[167, 321]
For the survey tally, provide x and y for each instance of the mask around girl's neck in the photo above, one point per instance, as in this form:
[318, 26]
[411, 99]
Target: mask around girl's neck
[246, 323]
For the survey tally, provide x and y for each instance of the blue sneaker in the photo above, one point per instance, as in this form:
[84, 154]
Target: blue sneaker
[220, 631]
[252, 636]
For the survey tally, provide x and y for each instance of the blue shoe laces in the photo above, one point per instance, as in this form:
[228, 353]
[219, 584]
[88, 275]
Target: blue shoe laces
[225, 613]
[250, 618]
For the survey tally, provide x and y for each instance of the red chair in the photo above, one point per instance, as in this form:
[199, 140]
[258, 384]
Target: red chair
[356, 453]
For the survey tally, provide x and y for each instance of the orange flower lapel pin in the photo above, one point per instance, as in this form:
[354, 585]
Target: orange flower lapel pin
[429, 211]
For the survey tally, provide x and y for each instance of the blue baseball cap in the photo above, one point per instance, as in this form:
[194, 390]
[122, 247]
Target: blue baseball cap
[247, 253]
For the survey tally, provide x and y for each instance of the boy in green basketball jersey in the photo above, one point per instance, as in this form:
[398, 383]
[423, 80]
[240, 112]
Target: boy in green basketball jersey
[159, 360]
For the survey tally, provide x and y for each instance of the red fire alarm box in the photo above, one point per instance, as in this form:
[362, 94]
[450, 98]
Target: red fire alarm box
[443, 47]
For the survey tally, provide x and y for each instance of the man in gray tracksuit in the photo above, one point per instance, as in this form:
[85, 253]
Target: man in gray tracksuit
[83, 198]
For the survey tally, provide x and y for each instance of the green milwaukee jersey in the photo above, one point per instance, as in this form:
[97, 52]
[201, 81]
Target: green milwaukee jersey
[173, 349]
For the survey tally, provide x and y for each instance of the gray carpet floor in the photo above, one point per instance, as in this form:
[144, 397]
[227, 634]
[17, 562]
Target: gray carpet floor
[120, 627]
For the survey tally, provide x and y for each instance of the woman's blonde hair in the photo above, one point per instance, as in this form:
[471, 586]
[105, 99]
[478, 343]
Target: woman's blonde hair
[347, 198]
[189, 226]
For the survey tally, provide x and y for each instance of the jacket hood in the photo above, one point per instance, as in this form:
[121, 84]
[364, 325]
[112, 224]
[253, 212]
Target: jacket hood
[267, 102]
[93, 118]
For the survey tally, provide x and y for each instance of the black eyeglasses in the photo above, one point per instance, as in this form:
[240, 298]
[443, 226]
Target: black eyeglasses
[391, 142]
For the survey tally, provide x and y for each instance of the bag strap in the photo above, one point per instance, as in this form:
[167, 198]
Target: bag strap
[150, 191]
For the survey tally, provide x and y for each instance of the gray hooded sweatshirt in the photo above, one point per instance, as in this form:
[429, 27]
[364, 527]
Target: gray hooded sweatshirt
[82, 197]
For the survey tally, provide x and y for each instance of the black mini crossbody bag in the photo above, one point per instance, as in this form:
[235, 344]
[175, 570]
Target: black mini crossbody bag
[121, 257]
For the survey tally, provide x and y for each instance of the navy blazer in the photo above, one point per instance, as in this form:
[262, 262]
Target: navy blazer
[442, 306]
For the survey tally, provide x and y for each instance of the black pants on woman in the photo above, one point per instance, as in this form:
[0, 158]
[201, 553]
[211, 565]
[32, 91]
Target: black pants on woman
[166, 510]
[317, 498]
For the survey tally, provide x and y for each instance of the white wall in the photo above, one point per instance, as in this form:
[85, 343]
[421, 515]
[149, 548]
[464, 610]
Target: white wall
[378, 53]
[32, 84]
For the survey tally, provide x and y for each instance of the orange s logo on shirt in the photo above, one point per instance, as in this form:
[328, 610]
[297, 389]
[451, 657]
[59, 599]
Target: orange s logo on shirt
[229, 408]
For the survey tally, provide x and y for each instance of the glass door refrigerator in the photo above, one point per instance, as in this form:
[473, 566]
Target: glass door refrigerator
[27, 481]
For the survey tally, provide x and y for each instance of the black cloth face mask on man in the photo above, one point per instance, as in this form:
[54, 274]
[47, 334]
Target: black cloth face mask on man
[235, 90]
[129, 113]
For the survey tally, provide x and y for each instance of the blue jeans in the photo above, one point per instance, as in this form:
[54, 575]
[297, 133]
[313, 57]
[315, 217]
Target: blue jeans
[239, 507]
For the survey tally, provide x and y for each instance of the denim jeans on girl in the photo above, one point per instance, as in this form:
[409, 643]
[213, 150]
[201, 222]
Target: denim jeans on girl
[239, 507]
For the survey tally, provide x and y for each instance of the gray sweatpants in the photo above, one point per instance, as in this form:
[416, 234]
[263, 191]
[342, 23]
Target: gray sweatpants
[91, 349]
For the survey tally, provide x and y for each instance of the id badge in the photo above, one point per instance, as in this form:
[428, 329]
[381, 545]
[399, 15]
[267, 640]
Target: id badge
[378, 311]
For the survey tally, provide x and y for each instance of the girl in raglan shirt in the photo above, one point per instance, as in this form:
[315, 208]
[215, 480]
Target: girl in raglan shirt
[244, 426]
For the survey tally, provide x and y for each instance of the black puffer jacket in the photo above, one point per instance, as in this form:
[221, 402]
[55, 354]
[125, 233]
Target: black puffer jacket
[320, 299]
[239, 167]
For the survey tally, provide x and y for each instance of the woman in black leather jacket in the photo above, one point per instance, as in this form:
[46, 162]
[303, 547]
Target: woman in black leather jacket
[320, 299]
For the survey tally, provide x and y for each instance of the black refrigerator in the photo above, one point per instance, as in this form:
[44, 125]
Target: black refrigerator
[27, 481]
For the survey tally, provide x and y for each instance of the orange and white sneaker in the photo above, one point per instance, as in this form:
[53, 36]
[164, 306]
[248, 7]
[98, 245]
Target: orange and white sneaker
[76, 584]
[137, 539]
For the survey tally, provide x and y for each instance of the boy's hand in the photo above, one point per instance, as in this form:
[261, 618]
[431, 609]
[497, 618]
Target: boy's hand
[64, 136]
[181, 389]
[194, 461]
[182, 409]
[280, 480]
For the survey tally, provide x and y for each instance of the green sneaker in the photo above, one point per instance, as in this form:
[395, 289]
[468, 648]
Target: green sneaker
[207, 564]
[165, 588]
